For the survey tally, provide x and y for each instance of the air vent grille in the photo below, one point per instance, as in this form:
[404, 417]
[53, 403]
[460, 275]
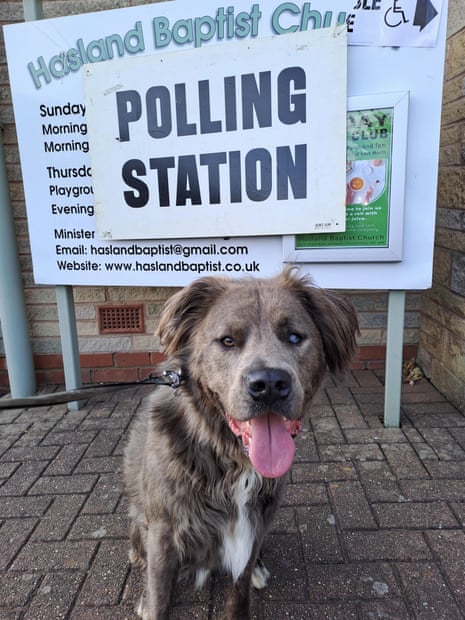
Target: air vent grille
[121, 319]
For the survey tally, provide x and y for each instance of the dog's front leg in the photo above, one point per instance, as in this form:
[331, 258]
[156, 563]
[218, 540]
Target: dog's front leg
[161, 574]
[238, 600]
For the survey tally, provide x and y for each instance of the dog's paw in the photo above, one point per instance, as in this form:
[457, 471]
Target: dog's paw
[260, 575]
[136, 560]
[201, 577]
[141, 609]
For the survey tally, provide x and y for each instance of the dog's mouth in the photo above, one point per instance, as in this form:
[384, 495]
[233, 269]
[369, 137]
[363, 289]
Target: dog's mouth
[269, 441]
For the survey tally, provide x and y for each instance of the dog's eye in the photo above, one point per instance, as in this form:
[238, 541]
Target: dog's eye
[294, 338]
[227, 342]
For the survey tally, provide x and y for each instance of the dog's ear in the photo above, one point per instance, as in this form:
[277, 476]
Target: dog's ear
[335, 318]
[183, 312]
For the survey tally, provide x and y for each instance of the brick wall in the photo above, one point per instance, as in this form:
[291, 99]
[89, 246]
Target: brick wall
[442, 334]
[127, 356]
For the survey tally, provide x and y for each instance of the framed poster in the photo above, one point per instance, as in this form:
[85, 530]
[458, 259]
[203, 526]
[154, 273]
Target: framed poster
[375, 187]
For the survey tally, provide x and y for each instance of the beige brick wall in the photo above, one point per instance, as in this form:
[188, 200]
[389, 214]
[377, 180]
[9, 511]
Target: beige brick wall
[442, 332]
[104, 351]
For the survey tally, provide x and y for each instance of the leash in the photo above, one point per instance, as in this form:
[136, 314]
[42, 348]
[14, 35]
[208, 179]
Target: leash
[171, 378]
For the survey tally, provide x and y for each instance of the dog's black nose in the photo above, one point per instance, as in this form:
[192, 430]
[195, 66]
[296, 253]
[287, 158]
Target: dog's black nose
[269, 385]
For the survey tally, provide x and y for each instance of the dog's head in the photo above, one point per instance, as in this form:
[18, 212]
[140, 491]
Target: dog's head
[259, 349]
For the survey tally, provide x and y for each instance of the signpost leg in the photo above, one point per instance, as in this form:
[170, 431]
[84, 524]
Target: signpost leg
[13, 314]
[66, 317]
[394, 350]
[32, 10]
[69, 340]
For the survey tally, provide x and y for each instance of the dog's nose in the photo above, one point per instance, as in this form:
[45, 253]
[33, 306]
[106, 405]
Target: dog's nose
[269, 385]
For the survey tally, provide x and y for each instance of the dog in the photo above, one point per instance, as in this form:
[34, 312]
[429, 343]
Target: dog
[205, 464]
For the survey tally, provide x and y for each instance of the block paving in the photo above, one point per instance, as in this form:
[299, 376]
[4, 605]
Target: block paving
[372, 523]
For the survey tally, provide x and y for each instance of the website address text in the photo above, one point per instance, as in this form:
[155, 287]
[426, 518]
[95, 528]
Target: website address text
[208, 266]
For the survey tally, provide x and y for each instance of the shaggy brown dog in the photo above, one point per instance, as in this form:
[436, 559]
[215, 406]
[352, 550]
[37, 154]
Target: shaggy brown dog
[205, 464]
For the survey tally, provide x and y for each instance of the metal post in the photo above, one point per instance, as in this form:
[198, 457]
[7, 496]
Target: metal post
[64, 294]
[32, 10]
[69, 340]
[394, 351]
[13, 315]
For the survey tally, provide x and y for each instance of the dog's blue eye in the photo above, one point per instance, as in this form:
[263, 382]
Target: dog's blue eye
[294, 338]
[227, 342]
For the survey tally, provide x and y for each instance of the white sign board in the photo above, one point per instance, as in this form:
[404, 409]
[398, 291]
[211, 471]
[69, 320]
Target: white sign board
[206, 144]
[46, 81]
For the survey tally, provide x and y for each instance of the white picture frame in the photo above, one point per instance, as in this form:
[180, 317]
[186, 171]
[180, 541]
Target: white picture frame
[343, 247]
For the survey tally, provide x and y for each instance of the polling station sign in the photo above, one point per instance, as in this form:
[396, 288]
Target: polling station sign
[208, 143]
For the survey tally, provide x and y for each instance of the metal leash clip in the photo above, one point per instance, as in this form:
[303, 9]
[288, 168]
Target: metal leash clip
[174, 376]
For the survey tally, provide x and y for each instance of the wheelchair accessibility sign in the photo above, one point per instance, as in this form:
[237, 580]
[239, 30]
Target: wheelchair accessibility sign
[395, 23]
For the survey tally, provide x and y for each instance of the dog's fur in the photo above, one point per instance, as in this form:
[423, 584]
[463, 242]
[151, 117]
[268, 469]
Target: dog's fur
[252, 353]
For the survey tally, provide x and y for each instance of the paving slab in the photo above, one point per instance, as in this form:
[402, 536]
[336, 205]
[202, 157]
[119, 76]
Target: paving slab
[371, 526]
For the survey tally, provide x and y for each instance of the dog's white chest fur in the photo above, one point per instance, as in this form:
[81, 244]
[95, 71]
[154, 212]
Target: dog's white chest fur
[239, 537]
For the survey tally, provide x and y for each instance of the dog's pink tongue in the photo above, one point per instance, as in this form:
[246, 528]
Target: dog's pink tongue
[271, 447]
